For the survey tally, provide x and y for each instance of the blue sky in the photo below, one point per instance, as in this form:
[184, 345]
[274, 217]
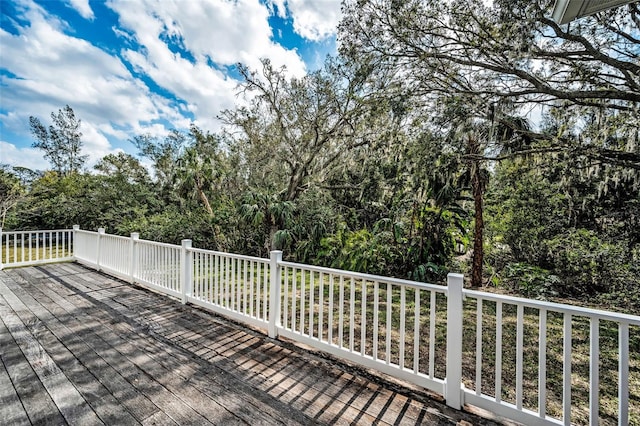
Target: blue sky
[130, 67]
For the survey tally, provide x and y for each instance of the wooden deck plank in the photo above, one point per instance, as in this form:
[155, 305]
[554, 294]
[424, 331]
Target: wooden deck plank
[69, 401]
[162, 398]
[11, 409]
[186, 338]
[88, 384]
[131, 401]
[308, 396]
[116, 342]
[264, 370]
[124, 337]
[251, 407]
[273, 367]
[35, 399]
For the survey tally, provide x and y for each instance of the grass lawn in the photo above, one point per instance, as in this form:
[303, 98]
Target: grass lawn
[29, 254]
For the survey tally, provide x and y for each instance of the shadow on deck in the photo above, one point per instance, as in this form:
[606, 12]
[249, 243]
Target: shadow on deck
[80, 347]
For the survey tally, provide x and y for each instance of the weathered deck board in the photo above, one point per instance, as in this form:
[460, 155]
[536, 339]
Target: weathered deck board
[11, 408]
[80, 347]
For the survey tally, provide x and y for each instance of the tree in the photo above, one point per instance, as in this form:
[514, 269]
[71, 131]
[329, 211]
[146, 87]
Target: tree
[11, 192]
[297, 129]
[61, 142]
[200, 167]
[305, 139]
[164, 153]
[123, 166]
[559, 232]
[271, 213]
[496, 58]
[504, 50]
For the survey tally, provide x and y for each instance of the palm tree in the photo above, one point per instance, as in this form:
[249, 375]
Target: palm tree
[268, 210]
[482, 141]
[194, 175]
[199, 168]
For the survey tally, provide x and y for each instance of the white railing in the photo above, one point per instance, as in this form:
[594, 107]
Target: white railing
[234, 285]
[379, 322]
[544, 333]
[156, 265]
[20, 248]
[516, 357]
[86, 247]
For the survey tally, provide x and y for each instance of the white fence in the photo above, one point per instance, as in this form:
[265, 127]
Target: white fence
[35, 247]
[156, 265]
[234, 285]
[524, 359]
[544, 342]
[381, 323]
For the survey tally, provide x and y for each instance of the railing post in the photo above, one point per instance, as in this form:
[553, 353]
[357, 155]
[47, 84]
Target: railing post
[76, 228]
[186, 266]
[133, 256]
[274, 293]
[98, 253]
[453, 385]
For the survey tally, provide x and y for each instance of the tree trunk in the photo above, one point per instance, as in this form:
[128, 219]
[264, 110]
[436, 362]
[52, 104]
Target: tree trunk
[478, 250]
[205, 201]
[271, 245]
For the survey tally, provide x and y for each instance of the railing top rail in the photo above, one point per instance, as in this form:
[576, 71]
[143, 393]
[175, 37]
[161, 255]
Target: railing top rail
[556, 307]
[157, 244]
[366, 277]
[84, 231]
[5, 232]
[115, 237]
[231, 255]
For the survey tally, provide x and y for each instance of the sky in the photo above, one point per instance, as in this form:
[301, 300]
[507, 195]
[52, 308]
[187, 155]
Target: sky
[133, 67]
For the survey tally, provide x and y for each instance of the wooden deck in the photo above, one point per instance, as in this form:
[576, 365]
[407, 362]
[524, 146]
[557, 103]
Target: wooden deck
[80, 347]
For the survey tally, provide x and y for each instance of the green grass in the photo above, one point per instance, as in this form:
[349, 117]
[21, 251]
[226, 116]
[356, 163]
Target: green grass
[17, 254]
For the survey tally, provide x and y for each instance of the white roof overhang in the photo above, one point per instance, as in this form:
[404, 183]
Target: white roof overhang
[565, 11]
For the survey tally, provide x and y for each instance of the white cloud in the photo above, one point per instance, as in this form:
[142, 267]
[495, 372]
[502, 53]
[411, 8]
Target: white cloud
[96, 144]
[220, 32]
[226, 32]
[53, 69]
[184, 47]
[277, 7]
[83, 8]
[24, 157]
[315, 19]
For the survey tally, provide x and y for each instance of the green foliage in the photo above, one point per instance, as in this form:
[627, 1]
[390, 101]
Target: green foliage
[11, 192]
[268, 216]
[314, 218]
[554, 234]
[361, 251]
[587, 264]
[90, 201]
[419, 250]
[577, 264]
[531, 281]
[124, 167]
[172, 226]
